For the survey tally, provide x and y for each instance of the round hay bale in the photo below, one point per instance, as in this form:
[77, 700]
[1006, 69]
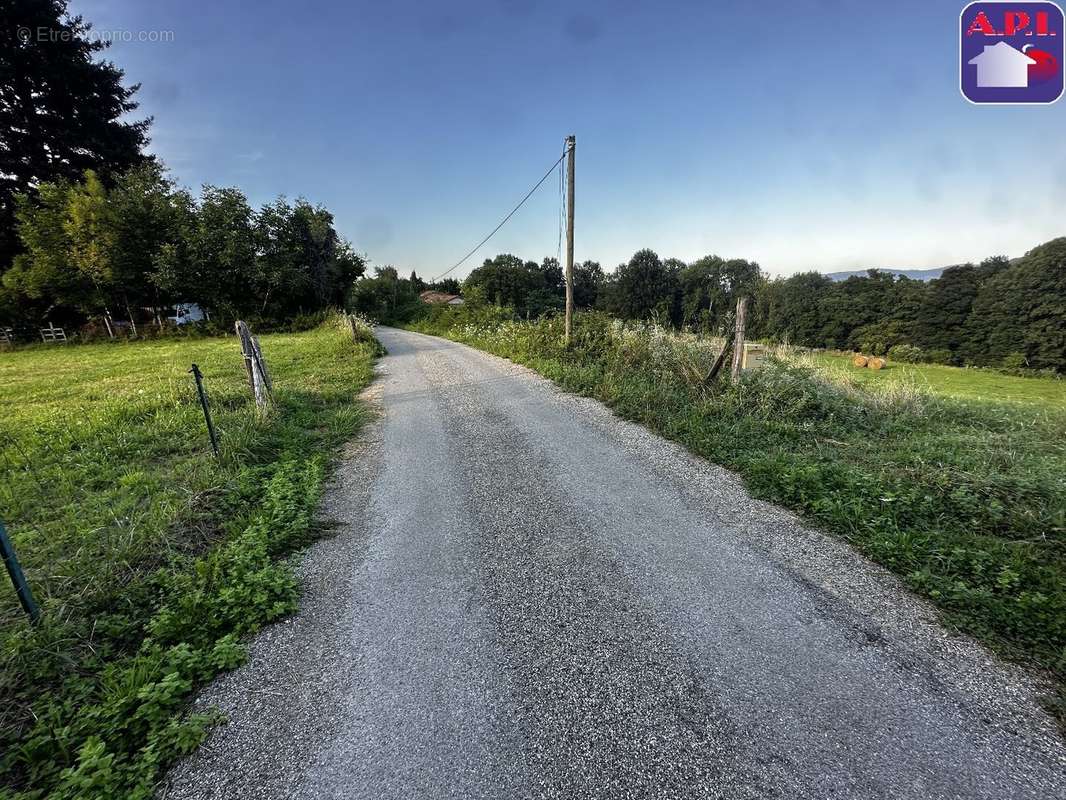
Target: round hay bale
[876, 363]
[860, 361]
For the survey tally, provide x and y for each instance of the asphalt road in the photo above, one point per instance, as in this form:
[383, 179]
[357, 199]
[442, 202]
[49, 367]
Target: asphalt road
[528, 598]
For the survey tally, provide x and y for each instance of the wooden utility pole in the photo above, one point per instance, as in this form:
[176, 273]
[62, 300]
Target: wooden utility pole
[738, 338]
[570, 144]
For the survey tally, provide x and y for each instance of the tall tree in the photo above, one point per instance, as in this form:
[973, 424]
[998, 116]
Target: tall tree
[91, 235]
[211, 263]
[702, 294]
[42, 273]
[588, 283]
[61, 108]
[643, 286]
[1020, 311]
[946, 307]
[146, 212]
[794, 309]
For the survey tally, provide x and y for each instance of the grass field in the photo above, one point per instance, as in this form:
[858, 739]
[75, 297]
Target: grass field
[968, 384]
[149, 557]
[954, 479]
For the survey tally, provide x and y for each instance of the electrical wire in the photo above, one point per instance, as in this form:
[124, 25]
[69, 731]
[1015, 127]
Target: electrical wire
[503, 222]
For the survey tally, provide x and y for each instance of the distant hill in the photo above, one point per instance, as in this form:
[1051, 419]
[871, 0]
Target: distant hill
[914, 274]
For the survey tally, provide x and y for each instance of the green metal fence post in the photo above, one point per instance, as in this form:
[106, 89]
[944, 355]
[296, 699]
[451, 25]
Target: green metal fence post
[199, 377]
[22, 589]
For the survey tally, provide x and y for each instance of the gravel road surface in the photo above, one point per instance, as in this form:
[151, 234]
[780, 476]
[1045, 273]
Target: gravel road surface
[528, 597]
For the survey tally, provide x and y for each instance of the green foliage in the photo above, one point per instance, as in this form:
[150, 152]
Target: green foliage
[939, 356]
[1014, 361]
[877, 338]
[151, 559]
[644, 287]
[962, 497]
[386, 297]
[529, 288]
[145, 244]
[945, 307]
[906, 353]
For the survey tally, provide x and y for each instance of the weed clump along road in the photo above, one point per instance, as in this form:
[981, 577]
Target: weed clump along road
[149, 557]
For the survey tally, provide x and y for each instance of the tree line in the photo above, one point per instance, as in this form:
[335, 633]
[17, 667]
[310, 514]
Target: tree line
[998, 313]
[130, 251]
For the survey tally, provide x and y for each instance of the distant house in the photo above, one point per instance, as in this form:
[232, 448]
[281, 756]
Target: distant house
[1000, 66]
[440, 298]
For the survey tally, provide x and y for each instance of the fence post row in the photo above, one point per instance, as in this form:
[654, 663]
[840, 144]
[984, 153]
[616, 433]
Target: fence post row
[258, 377]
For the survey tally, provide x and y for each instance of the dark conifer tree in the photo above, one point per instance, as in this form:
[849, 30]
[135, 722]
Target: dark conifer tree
[62, 108]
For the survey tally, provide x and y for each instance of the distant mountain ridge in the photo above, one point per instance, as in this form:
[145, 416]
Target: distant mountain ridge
[914, 274]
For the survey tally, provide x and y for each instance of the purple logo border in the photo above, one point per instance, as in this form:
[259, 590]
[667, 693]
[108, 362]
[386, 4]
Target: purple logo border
[961, 33]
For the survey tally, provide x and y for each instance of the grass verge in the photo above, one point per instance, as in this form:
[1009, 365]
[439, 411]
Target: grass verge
[965, 499]
[149, 557]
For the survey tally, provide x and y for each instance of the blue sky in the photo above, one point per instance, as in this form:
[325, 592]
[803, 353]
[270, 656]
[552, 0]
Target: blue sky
[815, 134]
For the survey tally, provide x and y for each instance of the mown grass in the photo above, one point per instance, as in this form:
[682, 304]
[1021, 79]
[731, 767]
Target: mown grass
[149, 557]
[984, 385]
[964, 498]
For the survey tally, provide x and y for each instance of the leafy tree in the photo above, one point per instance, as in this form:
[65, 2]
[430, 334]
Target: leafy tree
[145, 243]
[945, 308]
[43, 273]
[643, 287]
[348, 266]
[588, 283]
[91, 240]
[1020, 309]
[877, 338]
[795, 308]
[502, 279]
[210, 263]
[146, 211]
[303, 264]
[527, 287]
[704, 299]
[319, 240]
[62, 111]
[710, 288]
[278, 275]
[386, 297]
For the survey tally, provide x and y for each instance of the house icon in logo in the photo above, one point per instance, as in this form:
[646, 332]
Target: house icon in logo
[1000, 66]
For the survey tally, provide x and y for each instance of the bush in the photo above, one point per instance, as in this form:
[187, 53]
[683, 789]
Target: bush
[1014, 361]
[877, 338]
[940, 355]
[906, 354]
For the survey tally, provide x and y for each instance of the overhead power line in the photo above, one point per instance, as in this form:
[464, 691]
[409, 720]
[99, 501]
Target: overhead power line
[529, 194]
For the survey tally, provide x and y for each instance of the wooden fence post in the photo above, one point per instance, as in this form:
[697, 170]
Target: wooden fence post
[258, 377]
[738, 338]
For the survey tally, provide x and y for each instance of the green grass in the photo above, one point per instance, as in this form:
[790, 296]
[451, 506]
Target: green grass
[961, 494]
[149, 557]
[970, 384]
